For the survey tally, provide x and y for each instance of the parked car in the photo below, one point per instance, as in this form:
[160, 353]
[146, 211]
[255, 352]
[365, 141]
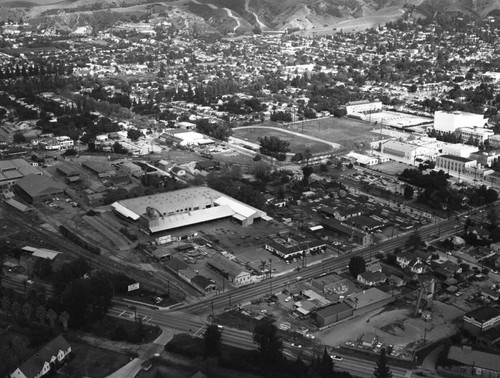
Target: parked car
[336, 358]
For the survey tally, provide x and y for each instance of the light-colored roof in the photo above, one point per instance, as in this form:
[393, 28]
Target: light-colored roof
[400, 146]
[41, 252]
[124, 211]
[237, 206]
[189, 218]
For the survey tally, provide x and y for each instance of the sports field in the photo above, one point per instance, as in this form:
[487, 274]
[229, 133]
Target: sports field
[297, 143]
[347, 132]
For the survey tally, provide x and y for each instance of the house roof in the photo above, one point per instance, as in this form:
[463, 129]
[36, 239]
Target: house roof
[369, 276]
[33, 366]
[37, 186]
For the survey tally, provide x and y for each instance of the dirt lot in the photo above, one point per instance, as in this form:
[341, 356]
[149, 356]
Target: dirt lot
[397, 326]
[392, 168]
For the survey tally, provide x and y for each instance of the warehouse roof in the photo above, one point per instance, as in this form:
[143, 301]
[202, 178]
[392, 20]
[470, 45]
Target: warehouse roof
[37, 186]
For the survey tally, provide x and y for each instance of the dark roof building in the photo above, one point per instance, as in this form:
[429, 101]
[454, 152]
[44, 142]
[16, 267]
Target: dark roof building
[482, 319]
[35, 188]
[333, 313]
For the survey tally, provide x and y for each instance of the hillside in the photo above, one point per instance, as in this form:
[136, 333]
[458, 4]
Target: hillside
[242, 16]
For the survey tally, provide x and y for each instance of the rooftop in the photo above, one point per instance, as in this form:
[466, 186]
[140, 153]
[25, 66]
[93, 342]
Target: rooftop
[483, 314]
[36, 185]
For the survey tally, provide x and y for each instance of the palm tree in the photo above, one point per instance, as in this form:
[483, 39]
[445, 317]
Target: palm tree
[52, 316]
[6, 304]
[41, 314]
[27, 311]
[64, 317]
[16, 309]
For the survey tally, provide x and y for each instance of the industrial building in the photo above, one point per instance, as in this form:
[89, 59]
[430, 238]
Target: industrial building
[333, 314]
[35, 188]
[185, 207]
[404, 151]
[13, 170]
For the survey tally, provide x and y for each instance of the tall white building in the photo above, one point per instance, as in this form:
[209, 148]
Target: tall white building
[451, 121]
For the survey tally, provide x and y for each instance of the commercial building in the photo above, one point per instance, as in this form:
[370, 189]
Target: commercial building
[288, 248]
[13, 170]
[333, 314]
[185, 207]
[330, 284]
[57, 143]
[363, 160]
[454, 164]
[228, 269]
[35, 188]
[403, 151]
[477, 362]
[451, 121]
[480, 320]
[358, 236]
[71, 174]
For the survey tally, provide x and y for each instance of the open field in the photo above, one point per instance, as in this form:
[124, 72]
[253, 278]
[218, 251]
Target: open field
[347, 132]
[297, 143]
[392, 168]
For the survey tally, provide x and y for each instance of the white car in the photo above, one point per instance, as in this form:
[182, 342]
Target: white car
[336, 358]
[288, 299]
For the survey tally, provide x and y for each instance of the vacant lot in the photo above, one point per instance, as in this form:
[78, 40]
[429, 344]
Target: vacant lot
[92, 361]
[297, 143]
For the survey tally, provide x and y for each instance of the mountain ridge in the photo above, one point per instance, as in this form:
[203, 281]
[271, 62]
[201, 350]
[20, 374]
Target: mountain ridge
[248, 16]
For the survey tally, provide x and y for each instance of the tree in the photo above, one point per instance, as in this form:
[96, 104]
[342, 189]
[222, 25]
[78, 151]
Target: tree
[265, 335]
[414, 241]
[41, 314]
[27, 311]
[19, 138]
[134, 134]
[274, 146]
[212, 340]
[63, 318]
[492, 217]
[52, 316]
[382, 370]
[408, 192]
[326, 365]
[119, 149]
[357, 265]
[42, 268]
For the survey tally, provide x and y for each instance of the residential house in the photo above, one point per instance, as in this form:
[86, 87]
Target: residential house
[371, 278]
[45, 360]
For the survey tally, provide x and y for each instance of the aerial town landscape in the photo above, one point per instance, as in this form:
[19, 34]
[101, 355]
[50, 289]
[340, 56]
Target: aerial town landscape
[250, 188]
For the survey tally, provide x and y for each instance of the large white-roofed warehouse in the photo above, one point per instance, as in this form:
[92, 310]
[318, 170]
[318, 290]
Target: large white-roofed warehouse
[185, 207]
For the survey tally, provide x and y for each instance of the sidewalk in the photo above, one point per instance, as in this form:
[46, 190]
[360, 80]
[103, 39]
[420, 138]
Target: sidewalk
[145, 353]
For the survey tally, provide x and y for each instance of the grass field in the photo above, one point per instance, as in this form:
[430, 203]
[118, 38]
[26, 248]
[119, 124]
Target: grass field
[347, 132]
[297, 143]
